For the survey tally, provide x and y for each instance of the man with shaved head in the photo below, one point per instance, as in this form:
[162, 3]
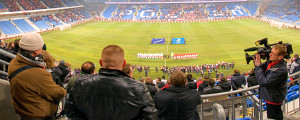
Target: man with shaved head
[111, 94]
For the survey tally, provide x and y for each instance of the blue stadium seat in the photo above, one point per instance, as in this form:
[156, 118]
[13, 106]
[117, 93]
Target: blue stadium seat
[41, 24]
[251, 6]
[109, 10]
[1, 6]
[8, 28]
[23, 25]
[245, 118]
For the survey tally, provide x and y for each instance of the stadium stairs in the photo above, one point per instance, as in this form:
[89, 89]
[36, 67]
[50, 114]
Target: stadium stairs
[32, 25]
[23, 25]
[101, 13]
[20, 6]
[16, 26]
[44, 4]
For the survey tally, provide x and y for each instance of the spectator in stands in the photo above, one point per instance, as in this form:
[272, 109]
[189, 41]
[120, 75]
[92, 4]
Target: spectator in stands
[159, 83]
[272, 77]
[142, 80]
[295, 67]
[199, 81]
[127, 69]
[86, 69]
[190, 83]
[34, 94]
[51, 67]
[252, 79]
[166, 100]
[203, 85]
[237, 80]
[167, 85]
[224, 84]
[110, 94]
[151, 87]
[212, 88]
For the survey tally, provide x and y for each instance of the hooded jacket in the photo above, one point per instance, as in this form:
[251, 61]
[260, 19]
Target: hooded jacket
[33, 91]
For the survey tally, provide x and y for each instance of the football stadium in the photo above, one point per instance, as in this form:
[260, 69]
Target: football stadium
[203, 39]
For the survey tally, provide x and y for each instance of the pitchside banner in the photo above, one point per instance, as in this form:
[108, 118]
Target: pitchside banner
[158, 41]
[178, 41]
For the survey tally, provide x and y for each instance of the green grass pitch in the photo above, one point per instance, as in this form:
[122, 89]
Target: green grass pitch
[213, 41]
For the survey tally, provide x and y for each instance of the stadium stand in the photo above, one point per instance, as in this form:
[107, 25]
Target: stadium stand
[70, 3]
[125, 12]
[53, 3]
[23, 25]
[236, 9]
[39, 22]
[109, 10]
[8, 28]
[251, 7]
[1, 6]
[11, 5]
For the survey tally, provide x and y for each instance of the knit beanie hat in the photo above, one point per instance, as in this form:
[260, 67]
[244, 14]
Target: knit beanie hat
[31, 41]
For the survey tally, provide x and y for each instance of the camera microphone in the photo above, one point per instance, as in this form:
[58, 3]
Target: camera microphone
[251, 49]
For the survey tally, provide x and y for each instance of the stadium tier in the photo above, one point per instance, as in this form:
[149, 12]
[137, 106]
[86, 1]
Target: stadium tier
[23, 25]
[179, 12]
[9, 28]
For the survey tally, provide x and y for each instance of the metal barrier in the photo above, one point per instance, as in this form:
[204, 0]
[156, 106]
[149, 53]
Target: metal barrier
[7, 54]
[233, 104]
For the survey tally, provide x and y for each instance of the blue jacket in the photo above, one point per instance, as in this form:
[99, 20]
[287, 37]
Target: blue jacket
[273, 82]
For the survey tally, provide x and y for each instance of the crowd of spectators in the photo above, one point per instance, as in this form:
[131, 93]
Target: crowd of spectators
[171, 11]
[53, 3]
[12, 5]
[32, 4]
[68, 16]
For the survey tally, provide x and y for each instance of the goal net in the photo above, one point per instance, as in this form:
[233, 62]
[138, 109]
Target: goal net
[66, 26]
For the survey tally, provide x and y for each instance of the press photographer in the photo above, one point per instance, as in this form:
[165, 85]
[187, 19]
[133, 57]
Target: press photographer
[272, 75]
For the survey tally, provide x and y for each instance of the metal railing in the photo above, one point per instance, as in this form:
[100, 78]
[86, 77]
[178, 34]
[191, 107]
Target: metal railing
[4, 63]
[238, 104]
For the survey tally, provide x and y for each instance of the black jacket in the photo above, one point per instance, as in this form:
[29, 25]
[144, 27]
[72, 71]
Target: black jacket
[109, 95]
[152, 88]
[160, 84]
[211, 90]
[273, 82]
[225, 86]
[252, 80]
[237, 81]
[176, 103]
[202, 86]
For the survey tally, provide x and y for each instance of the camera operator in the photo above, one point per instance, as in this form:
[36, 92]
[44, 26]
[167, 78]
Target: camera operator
[272, 77]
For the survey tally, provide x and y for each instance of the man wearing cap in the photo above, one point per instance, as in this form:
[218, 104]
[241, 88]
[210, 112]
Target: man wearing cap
[34, 93]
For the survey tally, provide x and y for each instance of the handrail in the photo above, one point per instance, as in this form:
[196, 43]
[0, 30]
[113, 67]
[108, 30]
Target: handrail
[4, 73]
[2, 61]
[241, 90]
[219, 110]
[229, 92]
[8, 54]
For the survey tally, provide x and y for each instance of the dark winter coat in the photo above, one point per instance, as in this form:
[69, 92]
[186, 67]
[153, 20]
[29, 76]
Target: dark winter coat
[176, 103]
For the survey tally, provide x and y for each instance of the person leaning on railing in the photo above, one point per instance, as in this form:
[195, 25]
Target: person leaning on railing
[272, 77]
